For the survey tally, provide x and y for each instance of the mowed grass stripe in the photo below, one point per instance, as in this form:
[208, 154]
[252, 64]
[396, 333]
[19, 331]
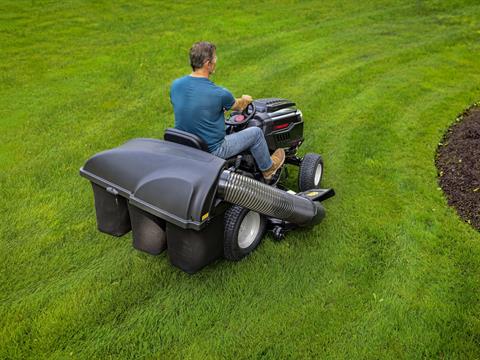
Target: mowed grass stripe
[364, 65]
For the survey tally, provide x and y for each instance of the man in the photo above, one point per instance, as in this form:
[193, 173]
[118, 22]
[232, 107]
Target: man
[199, 107]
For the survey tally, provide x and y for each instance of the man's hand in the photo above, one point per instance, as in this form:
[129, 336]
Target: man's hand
[247, 98]
[242, 103]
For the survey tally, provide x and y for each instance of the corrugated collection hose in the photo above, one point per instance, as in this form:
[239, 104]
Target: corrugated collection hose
[254, 195]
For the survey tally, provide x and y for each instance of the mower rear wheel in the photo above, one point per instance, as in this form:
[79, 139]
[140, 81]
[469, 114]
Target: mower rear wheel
[244, 230]
[310, 172]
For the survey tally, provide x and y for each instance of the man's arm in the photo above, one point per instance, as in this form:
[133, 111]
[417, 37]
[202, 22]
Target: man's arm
[241, 103]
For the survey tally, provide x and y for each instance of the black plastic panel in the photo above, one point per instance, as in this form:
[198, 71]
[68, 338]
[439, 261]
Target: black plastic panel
[290, 137]
[192, 250]
[148, 231]
[111, 211]
[174, 182]
[272, 104]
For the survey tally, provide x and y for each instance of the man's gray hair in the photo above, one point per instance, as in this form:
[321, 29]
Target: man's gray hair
[200, 53]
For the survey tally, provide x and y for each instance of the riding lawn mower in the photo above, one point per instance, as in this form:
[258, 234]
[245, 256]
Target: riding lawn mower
[176, 196]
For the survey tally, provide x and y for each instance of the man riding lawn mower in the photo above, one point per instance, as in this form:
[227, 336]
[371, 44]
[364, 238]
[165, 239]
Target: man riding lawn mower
[211, 188]
[199, 107]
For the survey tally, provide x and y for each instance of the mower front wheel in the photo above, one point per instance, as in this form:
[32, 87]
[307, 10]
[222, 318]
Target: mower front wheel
[310, 172]
[244, 230]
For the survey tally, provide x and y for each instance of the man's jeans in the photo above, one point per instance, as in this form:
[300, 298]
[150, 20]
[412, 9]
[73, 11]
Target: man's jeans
[248, 139]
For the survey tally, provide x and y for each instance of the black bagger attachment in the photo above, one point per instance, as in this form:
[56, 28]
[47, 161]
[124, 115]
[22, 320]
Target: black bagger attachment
[174, 197]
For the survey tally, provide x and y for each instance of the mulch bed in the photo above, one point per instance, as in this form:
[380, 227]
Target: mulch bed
[458, 164]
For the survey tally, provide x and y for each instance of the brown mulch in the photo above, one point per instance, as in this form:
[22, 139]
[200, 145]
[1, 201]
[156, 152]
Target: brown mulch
[458, 164]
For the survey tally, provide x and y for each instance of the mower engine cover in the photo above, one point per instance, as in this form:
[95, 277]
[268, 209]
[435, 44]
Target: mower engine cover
[177, 183]
[281, 122]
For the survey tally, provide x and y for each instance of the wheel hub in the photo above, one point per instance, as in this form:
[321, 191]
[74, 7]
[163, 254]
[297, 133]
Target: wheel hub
[318, 174]
[248, 229]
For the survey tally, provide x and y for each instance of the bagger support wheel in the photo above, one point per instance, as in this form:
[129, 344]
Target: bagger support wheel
[310, 172]
[244, 230]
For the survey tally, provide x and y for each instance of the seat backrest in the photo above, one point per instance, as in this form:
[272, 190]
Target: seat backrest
[185, 138]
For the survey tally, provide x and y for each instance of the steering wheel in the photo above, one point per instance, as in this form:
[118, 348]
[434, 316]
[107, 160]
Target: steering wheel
[245, 116]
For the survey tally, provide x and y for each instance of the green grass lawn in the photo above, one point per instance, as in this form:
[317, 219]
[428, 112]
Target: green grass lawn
[392, 272]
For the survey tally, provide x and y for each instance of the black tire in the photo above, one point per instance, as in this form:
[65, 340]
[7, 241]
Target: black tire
[234, 218]
[307, 175]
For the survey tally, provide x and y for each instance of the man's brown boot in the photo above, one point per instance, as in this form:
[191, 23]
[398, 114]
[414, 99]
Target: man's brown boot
[278, 157]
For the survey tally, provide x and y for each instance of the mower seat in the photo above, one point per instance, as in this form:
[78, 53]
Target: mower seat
[185, 138]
